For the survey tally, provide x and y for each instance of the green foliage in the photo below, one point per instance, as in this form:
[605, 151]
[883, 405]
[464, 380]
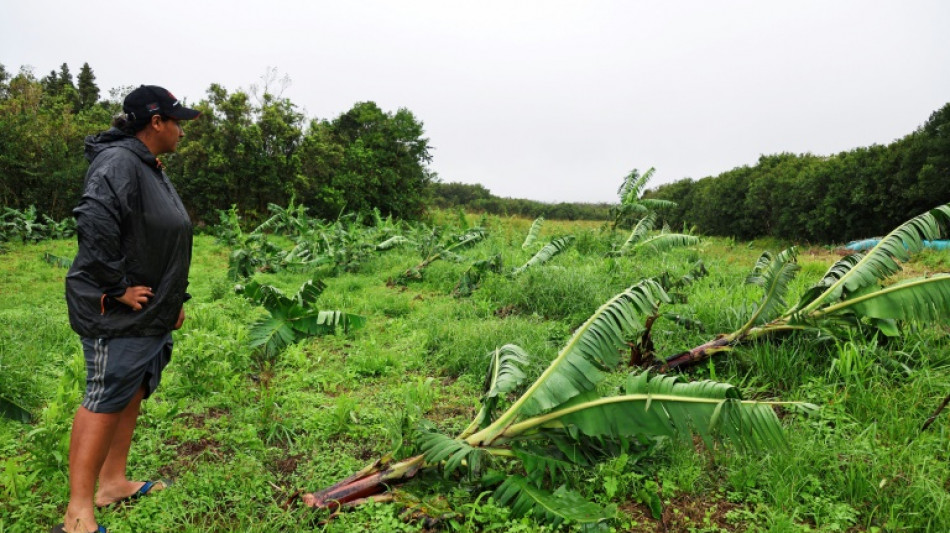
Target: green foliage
[28, 226]
[809, 198]
[477, 198]
[293, 319]
[640, 238]
[11, 410]
[773, 274]
[434, 250]
[472, 278]
[632, 203]
[555, 247]
[533, 233]
[848, 297]
[554, 508]
[42, 127]
[592, 349]
[239, 450]
[248, 150]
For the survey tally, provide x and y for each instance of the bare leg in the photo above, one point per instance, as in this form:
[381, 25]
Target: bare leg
[113, 485]
[89, 444]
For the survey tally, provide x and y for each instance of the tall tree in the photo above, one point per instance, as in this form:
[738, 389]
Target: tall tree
[384, 161]
[4, 78]
[65, 77]
[88, 90]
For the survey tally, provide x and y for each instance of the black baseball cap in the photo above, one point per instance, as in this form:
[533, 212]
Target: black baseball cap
[148, 100]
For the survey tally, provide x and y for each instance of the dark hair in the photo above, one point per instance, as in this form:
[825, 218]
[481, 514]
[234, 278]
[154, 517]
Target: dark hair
[124, 123]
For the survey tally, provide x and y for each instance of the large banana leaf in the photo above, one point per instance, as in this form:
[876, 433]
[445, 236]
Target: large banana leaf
[533, 233]
[665, 241]
[633, 185]
[551, 249]
[773, 274]
[664, 407]
[272, 335]
[315, 322]
[639, 232]
[437, 447]
[504, 376]
[271, 298]
[836, 272]
[882, 260]
[594, 347]
[563, 505]
[392, 242]
[309, 292]
[921, 299]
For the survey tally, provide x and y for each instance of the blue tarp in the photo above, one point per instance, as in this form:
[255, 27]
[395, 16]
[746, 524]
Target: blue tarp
[867, 244]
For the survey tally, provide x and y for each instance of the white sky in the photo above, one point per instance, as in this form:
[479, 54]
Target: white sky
[547, 100]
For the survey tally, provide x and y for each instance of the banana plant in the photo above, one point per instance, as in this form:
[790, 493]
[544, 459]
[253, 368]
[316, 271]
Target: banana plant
[632, 202]
[533, 233]
[562, 420]
[850, 294]
[639, 238]
[472, 277]
[292, 319]
[290, 220]
[543, 255]
[444, 251]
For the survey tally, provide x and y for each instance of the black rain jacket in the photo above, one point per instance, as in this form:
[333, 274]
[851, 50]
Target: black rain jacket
[132, 230]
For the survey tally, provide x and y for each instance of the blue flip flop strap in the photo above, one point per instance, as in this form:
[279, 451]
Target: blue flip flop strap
[143, 490]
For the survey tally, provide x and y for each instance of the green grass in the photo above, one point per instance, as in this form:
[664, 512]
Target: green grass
[241, 435]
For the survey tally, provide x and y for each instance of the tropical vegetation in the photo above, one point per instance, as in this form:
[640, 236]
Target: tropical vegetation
[515, 406]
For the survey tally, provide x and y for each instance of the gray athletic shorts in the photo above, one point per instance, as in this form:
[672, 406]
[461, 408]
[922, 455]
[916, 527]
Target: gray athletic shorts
[116, 368]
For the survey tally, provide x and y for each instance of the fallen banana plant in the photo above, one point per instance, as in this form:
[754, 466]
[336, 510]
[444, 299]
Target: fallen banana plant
[850, 295]
[472, 278]
[446, 251]
[543, 255]
[292, 319]
[561, 421]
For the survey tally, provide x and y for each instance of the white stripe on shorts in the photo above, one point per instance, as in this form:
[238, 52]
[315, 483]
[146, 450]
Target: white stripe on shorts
[98, 379]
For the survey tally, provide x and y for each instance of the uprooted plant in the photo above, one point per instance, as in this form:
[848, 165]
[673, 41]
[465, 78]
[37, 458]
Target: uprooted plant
[561, 421]
[849, 296]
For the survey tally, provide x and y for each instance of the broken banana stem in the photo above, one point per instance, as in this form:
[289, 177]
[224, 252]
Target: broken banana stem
[699, 353]
[372, 480]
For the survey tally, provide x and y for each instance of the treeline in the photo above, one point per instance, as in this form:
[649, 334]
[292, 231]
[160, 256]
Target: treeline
[247, 150]
[479, 199]
[863, 192]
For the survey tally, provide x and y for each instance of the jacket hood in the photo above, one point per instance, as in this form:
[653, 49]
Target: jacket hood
[114, 137]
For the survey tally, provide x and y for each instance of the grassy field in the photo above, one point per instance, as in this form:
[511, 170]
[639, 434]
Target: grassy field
[242, 434]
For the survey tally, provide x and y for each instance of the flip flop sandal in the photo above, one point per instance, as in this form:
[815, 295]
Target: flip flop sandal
[144, 490]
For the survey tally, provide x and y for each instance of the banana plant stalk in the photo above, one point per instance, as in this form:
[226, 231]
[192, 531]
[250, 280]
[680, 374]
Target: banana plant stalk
[848, 296]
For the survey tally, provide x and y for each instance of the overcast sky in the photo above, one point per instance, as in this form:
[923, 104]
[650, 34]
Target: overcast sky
[547, 100]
